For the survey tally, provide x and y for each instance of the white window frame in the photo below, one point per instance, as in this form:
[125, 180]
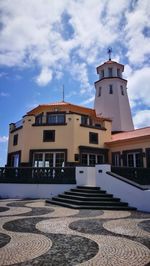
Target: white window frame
[43, 158]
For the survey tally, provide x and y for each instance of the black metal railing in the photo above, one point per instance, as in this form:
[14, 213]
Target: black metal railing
[138, 175]
[40, 175]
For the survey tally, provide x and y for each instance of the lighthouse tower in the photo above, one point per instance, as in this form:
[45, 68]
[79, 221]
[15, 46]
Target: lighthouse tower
[111, 99]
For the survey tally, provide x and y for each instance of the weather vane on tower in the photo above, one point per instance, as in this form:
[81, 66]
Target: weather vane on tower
[109, 51]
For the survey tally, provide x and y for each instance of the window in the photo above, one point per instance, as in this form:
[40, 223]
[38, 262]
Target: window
[38, 119]
[52, 159]
[15, 140]
[102, 73]
[15, 160]
[110, 89]
[93, 137]
[48, 135]
[48, 160]
[134, 160]
[100, 159]
[148, 157]
[122, 91]
[59, 159]
[109, 72]
[99, 91]
[118, 72]
[38, 160]
[55, 119]
[84, 120]
[116, 159]
[84, 159]
[91, 159]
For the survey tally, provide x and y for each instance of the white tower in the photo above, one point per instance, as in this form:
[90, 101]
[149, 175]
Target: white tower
[111, 99]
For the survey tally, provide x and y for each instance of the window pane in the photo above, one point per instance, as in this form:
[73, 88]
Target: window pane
[122, 91]
[130, 160]
[51, 119]
[138, 160]
[60, 159]
[60, 119]
[100, 159]
[56, 119]
[84, 120]
[110, 72]
[38, 160]
[84, 160]
[16, 160]
[48, 135]
[49, 160]
[92, 159]
[99, 91]
[118, 72]
[110, 89]
[93, 137]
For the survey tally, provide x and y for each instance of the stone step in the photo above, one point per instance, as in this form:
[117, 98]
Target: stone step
[86, 194]
[87, 190]
[85, 198]
[89, 202]
[73, 206]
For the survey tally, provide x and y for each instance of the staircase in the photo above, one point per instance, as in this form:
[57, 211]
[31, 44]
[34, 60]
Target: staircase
[84, 197]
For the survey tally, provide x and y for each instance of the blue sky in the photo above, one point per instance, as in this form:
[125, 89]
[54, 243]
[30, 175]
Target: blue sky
[47, 43]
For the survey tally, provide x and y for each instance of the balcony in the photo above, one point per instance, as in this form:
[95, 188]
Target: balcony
[16, 126]
[50, 119]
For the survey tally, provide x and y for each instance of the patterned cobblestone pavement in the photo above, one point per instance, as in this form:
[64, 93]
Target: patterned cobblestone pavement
[35, 233]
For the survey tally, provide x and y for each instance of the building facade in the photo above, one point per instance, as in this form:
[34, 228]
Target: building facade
[59, 134]
[64, 134]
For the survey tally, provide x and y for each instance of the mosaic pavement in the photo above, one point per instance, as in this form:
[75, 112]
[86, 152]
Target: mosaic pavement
[35, 233]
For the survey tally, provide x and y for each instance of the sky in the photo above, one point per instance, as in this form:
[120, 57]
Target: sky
[45, 44]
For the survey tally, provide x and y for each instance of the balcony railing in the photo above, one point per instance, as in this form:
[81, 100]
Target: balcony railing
[40, 175]
[138, 175]
[17, 125]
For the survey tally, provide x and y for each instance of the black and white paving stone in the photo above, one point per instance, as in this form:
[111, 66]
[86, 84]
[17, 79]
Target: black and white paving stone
[35, 233]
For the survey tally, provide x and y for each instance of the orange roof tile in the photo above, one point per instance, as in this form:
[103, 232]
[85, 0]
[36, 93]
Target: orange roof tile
[65, 106]
[134, 134]
[110, 62]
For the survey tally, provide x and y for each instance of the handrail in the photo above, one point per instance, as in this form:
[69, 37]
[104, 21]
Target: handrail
[130, 182]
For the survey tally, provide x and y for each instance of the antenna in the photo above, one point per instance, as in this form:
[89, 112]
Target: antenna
[63, 92]
[109, 51]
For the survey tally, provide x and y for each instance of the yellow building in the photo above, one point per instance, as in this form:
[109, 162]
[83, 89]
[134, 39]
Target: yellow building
[59, 134]
[130, 149]
[63, 134]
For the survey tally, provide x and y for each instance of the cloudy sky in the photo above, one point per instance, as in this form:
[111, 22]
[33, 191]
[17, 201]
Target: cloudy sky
[47, 43]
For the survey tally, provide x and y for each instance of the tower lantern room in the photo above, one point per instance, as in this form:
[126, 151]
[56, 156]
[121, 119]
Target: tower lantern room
[111, 98]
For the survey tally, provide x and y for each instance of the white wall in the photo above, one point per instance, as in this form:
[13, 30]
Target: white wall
[134, 196]
[32, 190]
[85, 176]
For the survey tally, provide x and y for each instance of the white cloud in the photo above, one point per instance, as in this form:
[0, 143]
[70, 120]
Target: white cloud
[89, 100]
[3, 139]
[34, 33]
[79, 72]
[142, 119]
[45, 77]
[139, 87]
[137, 42]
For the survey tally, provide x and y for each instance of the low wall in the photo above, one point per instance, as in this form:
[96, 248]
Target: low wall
[32, 190]
[126, 192]
[85, 176]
